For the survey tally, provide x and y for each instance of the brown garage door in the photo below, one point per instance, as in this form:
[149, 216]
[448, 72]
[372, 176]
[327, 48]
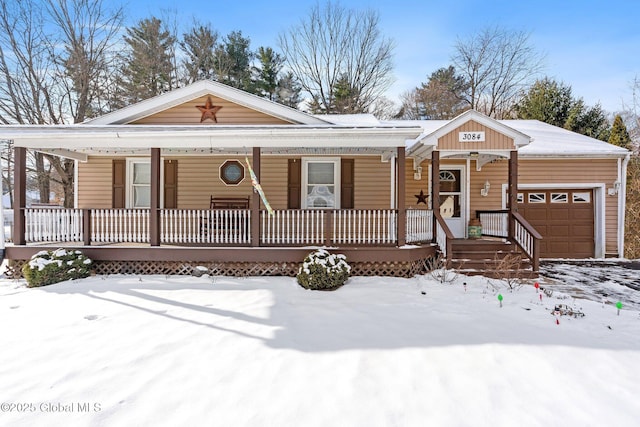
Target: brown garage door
[564, 218]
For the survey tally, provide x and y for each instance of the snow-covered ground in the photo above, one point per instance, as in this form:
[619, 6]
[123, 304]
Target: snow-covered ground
[186, 351]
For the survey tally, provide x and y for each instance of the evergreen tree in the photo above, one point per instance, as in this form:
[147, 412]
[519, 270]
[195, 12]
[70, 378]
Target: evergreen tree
[233, 61]
[267, 73]
[590, 121]
[149, 69]
[546, 100]
[619, 135]
[198, 46]
[288, 91]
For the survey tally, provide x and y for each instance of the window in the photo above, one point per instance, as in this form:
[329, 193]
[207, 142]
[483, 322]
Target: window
[559, 198]
[537, 198]
[582, 197]
[321, 183]
[232, 172]
[519, 197]
[139, 183]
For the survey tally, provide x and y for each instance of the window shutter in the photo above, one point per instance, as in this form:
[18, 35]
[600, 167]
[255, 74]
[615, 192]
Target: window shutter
[119, 179]
[170, 184]
[346, 183]
[294, 184]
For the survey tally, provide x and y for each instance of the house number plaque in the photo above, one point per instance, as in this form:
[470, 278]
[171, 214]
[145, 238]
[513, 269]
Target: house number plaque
[471, 136]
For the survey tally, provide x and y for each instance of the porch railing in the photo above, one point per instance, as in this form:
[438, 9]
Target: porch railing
[364, 226]
[297, 227]
[211, 226]
[53, 225]
[419, 225]
[494, 223]
[225, 226]
[120, 225]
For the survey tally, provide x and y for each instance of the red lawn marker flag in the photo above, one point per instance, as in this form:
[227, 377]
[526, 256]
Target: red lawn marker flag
[256, 185]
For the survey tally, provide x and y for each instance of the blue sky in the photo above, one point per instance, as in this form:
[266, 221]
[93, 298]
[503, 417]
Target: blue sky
[594, 46]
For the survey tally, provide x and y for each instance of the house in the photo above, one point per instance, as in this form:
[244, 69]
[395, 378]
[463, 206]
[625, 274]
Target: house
[165, 184]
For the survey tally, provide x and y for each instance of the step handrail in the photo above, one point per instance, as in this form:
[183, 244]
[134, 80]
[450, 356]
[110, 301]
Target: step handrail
[443, 236]
[527, 238]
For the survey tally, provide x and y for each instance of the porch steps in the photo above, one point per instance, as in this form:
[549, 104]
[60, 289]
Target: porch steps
[495, 258]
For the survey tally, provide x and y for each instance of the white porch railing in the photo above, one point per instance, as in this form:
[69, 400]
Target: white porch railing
[120, 225]
[364, 226]
[441, 238]
[494, 223]
[228, 226]
[298, 227]
[53, 225]
[218, 226]
[419, 225]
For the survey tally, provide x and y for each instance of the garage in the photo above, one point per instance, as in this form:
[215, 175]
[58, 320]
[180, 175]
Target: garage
[564, 218]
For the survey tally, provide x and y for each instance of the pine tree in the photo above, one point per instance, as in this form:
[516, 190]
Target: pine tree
[267, 73]
[149, 69]
[288, 91]
[548, 101]
[619, 135]
[198, 45]
[233, 62]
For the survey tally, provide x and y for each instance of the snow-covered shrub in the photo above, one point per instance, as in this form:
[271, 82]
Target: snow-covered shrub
[322, 270]
[48, 267]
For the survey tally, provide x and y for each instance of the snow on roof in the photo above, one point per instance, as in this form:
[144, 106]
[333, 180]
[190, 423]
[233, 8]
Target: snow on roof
[549, 140]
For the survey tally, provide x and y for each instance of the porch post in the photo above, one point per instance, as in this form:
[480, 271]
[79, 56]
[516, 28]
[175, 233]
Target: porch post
[255, 201]
[513, 190]
[154, 208]
[435, 188]
[401, 177]
[19, 195]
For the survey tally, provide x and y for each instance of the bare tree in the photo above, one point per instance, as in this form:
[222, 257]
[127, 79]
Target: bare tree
[55, 77]
[497, 64]
[334, 43]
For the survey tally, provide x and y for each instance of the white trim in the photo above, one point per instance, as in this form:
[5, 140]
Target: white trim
[75, 184]
[336, 180]
[599, 204]
[464, 196]
[129, 177]
[519, 138]
[622, 198]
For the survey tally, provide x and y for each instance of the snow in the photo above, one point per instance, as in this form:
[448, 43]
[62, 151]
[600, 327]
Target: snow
[167, 351]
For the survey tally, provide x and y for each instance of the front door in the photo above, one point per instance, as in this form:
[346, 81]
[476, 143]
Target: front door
[452, 199]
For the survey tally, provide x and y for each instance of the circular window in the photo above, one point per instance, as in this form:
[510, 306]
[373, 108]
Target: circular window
[232, 172]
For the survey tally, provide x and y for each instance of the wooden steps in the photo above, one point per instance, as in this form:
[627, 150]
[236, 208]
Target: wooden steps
[496, 258]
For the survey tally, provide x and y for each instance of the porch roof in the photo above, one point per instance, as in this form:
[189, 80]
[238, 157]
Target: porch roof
[79, 141]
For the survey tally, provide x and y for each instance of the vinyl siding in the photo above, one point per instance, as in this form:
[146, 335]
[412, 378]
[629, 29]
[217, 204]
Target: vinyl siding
[493, 140]
[230, 114]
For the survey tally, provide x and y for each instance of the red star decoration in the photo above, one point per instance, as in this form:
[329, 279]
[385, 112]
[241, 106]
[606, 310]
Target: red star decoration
[422, 198]
[208, 111]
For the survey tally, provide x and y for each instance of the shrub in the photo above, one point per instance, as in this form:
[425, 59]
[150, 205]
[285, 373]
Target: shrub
[48, 267]
[323, 271]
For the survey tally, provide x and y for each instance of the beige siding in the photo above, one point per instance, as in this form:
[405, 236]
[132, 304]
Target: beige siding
[493, 140]
[229, 114]
[198, 180]
[94, 183]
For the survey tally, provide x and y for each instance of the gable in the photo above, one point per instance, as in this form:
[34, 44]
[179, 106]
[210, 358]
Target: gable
[229, 113]
[143, 110]
[493, 140]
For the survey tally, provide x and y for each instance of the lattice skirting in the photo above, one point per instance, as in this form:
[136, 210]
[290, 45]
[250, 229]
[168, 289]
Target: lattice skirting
[236, 269]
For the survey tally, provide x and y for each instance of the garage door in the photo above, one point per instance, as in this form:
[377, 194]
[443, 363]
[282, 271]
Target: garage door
[564, 218]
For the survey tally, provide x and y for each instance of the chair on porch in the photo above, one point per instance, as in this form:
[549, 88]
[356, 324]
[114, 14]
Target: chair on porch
[226, 223]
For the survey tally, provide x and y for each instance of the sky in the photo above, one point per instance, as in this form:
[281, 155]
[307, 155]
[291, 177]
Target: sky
[591, 45]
